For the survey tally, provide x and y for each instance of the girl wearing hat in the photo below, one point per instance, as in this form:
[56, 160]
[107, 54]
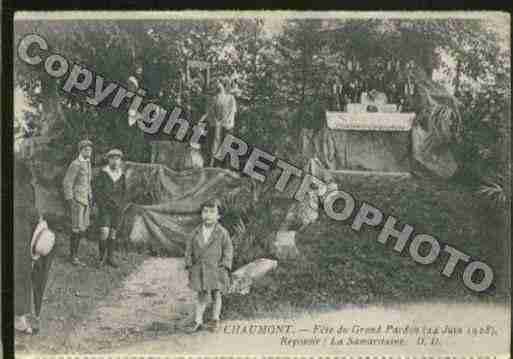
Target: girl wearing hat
[110, 191]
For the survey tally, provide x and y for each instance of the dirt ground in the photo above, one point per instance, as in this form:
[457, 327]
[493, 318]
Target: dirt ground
[147, 314]
[90, 310]
[152, 302]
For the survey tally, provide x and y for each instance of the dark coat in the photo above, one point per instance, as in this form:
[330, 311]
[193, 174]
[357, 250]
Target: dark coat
[209, 263]
[28, 280]
[108, 194]
[25, 219]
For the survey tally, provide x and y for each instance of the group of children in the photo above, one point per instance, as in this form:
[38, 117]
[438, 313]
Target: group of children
[209, 250]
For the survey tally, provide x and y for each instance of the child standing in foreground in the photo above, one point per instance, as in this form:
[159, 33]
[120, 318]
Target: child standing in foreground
[208, 259]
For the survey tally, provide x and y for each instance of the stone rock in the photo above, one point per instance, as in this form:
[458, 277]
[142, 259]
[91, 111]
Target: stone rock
[302, 214]
[284, 246]
[438, 160]
[245, 276]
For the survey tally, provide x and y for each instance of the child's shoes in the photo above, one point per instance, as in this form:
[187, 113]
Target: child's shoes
[195, 327]
[213, 325]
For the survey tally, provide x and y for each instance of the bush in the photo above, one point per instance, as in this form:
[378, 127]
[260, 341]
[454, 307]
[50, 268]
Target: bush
[486, 136]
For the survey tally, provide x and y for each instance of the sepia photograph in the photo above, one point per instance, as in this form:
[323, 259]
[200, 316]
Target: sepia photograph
[263, 183]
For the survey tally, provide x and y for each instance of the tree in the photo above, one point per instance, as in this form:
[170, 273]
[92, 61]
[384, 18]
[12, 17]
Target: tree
[284, 82]
[114, 49]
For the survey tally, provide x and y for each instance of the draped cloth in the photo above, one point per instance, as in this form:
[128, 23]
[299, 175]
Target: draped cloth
[438, 126]
[175, 199]
[162, 205]
[385, 151]
[172, 154]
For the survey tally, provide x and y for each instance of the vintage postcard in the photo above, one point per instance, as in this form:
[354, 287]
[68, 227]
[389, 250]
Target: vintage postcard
[262, 184]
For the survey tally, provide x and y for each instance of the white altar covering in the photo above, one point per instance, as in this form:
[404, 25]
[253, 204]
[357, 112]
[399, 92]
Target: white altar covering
[370, 121]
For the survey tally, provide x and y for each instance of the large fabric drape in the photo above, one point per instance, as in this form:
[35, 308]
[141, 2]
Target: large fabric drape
[387, 151]
[163, 205]
[176, 199]
[437, 127]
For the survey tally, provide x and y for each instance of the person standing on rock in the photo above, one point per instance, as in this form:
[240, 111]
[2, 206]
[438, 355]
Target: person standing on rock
[220, 117]
[78, 195]
[110, 191]
[208, 259]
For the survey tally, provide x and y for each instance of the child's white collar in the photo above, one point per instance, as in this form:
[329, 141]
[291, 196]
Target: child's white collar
[208, 228]
[82, 159]
[114, 175]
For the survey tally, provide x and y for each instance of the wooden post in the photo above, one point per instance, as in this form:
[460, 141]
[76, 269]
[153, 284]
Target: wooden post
[457, 78]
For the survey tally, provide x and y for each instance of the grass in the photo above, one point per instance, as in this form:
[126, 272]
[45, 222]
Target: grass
[339, 266]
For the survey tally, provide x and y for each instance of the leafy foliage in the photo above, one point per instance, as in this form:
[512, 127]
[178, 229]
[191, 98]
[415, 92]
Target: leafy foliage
[282, 81]
[497, 190]
[339, 266]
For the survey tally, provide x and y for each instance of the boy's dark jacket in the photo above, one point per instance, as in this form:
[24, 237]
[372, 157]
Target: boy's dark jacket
[107, 193]
[209, 263]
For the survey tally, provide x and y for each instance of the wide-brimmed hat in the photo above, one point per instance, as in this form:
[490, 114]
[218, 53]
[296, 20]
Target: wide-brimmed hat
[84, 143]
[43, 243]
[114, 152]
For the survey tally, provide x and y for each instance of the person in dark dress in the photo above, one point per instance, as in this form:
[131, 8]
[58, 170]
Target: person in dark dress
[25, 220]
[31, 270]
[109, 190]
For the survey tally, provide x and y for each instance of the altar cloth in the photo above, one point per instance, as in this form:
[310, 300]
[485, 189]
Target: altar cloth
[369, 121]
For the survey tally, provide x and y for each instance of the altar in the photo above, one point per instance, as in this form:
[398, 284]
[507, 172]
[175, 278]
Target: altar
[359, 141]
[376, 142]
[381, 115]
